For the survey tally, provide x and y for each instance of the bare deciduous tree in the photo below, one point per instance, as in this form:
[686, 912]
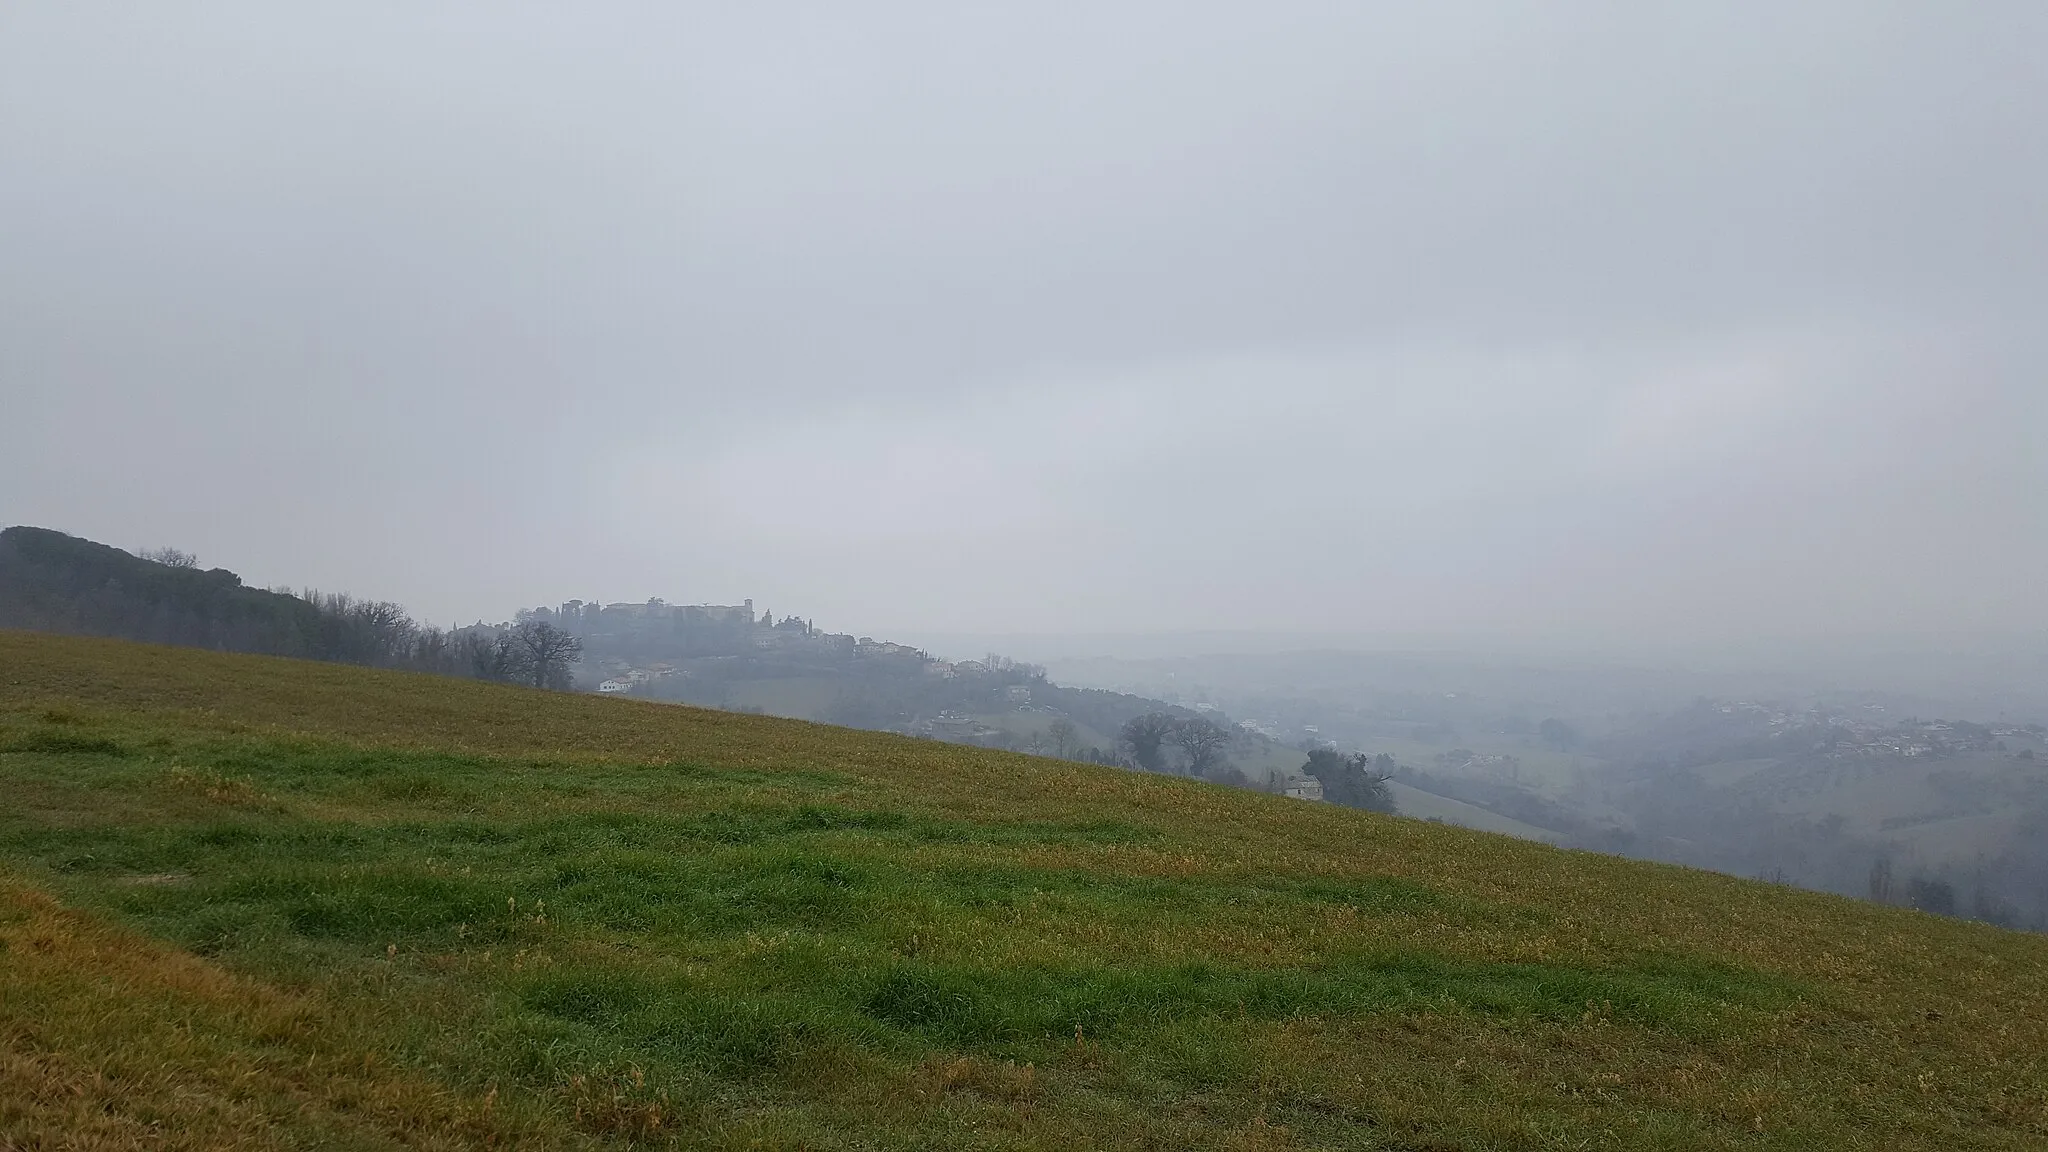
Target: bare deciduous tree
[1143, 737]
[170, 557]
[1881, 880]
[1201, 742]
[484, 657]
[1062, 733]
[543, 653]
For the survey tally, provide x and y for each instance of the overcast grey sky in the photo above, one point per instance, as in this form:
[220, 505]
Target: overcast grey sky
[1608, 320]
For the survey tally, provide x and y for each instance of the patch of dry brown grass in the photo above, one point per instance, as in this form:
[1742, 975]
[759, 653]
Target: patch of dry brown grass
[111, 1042]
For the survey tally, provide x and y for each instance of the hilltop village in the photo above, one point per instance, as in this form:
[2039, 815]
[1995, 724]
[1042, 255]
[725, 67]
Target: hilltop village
[732, 657]
[628, 646]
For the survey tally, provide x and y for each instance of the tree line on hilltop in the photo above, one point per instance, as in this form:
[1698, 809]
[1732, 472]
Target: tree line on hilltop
[53, 582]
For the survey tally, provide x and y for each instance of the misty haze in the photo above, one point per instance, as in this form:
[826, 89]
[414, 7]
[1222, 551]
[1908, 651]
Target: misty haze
[671, 572]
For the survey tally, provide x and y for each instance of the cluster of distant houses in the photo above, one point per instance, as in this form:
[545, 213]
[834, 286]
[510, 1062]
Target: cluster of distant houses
[1866, 732]
[950, 669]
[705, 629]
[632, 678]
[955, 726]
[1494, 765]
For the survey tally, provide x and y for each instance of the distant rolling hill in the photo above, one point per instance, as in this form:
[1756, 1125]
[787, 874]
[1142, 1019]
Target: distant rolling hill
[264, 903]
[1423, 805]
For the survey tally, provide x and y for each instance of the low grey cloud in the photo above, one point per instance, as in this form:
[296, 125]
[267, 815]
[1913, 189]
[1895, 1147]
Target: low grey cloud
[1600, 320]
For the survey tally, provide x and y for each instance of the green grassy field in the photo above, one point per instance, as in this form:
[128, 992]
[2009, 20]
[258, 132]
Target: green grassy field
[1028, 724]
[258, 903]
[797, 697]
[1543, 769]
[1429, 806]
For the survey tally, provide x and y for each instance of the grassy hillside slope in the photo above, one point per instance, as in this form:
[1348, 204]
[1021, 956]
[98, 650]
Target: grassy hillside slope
[249, 902]
[1416, 803]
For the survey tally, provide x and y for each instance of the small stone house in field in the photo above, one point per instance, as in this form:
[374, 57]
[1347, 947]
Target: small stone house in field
[1304, 788]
